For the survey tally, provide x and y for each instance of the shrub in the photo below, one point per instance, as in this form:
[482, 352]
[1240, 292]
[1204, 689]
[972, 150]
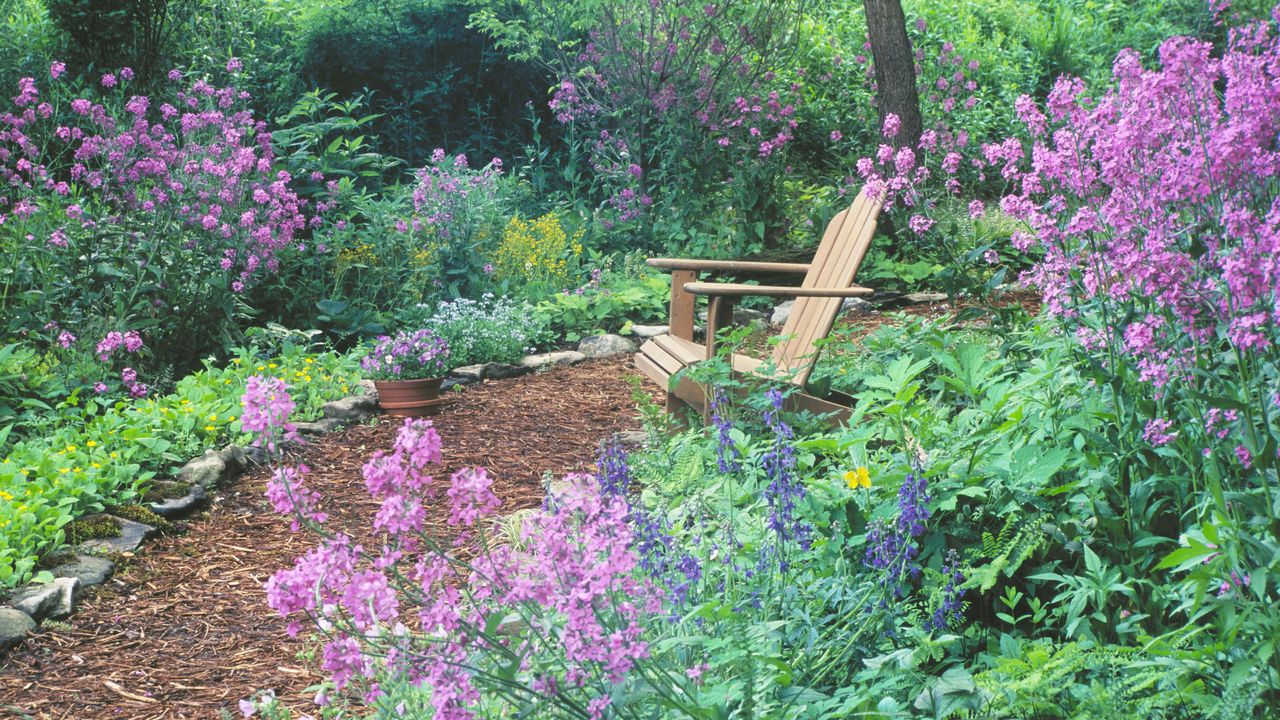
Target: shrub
[115, 33]
[429, 76]
[123, 224]
[670, 109]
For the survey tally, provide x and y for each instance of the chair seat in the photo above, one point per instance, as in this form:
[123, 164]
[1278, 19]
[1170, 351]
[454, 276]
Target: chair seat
[668, 354]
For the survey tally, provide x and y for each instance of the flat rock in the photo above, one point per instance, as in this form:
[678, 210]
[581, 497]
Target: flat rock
[741, 315]
[319, 427]
[553, 359]
[215, 467]
[49, 600]
[235, 458]
[631, 438]
[502, 371]
[856, 304]
[14, 626]
[925, 297]
[208, 470]
[256, 455]
[599, 346]
[473, 373]
[355, 409]
[181, 506]
[782, 313]
[452, 382]
[646, 332]
[132, 535]
[89, 570]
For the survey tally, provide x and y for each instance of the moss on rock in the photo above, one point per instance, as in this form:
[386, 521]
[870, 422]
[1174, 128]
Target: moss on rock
[91, 527]
[166, 491]
[144, 515]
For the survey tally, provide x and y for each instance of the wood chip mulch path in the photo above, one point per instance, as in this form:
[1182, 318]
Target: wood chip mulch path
[184, 630]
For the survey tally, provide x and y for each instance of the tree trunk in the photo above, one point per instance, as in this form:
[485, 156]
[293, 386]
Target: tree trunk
[895, 69]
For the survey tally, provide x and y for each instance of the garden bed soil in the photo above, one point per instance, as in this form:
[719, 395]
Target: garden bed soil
[183, 629]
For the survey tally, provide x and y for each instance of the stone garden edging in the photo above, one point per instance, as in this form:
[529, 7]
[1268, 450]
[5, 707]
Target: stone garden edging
[30, 605]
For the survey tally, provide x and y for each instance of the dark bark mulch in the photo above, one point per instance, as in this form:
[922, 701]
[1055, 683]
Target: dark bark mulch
[184, 630]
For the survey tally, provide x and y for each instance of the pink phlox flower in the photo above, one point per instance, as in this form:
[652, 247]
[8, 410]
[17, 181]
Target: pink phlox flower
[289, 496]
[1157, 432]
[267, 406]
[892, 125]
[471, 496]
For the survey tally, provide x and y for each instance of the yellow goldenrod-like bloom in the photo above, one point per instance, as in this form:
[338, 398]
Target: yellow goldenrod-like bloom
[539, 250]
[361, 254]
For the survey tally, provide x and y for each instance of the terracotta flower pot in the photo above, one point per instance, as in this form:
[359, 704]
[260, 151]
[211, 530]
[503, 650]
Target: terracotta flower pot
[410, 398]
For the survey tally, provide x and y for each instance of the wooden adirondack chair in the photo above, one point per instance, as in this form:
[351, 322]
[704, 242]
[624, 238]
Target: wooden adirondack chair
[827, 281]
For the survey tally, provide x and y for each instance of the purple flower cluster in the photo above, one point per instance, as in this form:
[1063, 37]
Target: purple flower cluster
[950, 608]
[130, 341]
[288, 496]
[419, 354]
[891, 547]
[669, 565]
[727, 453]
[1197, 255]
[904, 177]
[784, 489]
[417, 612]
[267, 406]
[202, 174]
[448, 195]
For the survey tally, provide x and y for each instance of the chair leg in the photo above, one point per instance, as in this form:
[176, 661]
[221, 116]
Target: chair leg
[719, 317]
[682, 304]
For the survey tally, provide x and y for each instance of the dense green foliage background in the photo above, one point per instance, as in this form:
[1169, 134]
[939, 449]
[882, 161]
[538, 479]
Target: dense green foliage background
[445, 150]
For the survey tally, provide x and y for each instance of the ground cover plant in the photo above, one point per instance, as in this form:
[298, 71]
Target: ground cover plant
[91, 451]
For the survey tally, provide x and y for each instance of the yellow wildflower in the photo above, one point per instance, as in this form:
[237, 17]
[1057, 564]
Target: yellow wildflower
[92, 443]
[857, 478]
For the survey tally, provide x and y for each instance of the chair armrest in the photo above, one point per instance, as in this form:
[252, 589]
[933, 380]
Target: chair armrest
[739, 290]
[727, 265]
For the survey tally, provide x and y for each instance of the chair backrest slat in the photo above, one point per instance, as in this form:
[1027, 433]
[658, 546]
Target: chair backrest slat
[835, 264]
